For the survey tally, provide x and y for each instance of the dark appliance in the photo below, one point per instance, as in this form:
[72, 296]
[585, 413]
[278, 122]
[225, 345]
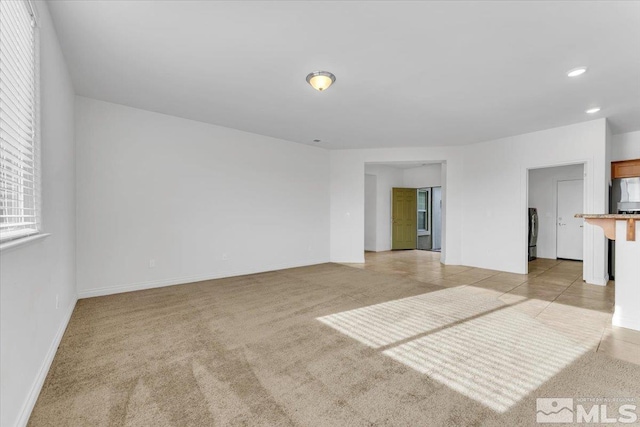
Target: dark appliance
[533, 233]
[624, 197]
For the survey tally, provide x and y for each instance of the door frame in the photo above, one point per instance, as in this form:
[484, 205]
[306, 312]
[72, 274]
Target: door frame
[383, 160]
[587, 164]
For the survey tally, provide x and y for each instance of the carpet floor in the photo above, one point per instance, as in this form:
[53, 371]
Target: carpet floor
[324, 345]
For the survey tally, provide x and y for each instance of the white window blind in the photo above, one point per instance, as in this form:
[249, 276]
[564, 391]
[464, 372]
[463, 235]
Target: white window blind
[19, 160]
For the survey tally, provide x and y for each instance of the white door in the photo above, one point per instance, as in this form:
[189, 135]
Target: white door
[569, 229]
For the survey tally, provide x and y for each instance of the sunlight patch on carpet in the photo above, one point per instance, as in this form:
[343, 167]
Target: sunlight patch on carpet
[475, 345]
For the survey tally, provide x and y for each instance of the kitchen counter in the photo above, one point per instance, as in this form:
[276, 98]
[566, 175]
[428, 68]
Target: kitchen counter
[609, 216]
[622, 229]
[608, 223]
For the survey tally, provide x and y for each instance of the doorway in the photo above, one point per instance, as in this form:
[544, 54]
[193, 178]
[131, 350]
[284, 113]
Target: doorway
[430, 219]
[380, 179]
[556, 194]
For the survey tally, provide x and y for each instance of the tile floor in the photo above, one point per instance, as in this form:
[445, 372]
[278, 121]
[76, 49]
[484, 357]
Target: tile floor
[553, 292]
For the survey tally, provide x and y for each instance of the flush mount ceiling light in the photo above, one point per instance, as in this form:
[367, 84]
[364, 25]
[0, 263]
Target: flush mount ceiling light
[577, 72]
[592, 110]
[320, 80]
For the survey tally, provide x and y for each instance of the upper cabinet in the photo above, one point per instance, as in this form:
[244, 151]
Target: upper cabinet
[625, 169]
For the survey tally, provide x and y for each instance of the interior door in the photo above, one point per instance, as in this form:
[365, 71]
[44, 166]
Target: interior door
[404, 218]
[569, 235]
[436, 218]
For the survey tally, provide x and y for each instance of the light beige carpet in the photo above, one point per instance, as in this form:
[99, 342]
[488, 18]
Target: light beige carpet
[326, 345]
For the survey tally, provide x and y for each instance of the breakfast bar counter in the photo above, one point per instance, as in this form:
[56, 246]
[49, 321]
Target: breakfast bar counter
[622, 228]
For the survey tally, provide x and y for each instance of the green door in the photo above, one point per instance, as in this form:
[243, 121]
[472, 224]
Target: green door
[404, 220]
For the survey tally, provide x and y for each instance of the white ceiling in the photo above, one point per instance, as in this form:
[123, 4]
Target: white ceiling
[408, 73]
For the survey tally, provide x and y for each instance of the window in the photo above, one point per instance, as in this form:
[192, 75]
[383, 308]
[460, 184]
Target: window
[19, 160]
[424, 198]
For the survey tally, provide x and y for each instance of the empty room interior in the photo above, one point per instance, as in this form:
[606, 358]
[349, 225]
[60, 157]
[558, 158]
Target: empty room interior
[319, 213]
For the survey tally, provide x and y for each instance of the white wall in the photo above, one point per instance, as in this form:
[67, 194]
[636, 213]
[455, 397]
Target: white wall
[387, 177]
[32, 275]
[203, 201]
[627, 297]
[484, 221]
[423, 176]
[495, 223]
[543, 195]
[625, 146]
[370, 211]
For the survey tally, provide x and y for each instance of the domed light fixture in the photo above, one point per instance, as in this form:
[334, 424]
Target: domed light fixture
[577, 72]
[320, 80]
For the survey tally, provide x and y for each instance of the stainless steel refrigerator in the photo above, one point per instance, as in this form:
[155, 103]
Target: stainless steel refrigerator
[624, 197]
[533, 233]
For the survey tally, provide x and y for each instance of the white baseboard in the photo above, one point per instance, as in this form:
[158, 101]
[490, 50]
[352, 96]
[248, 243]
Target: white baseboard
[25, 413]
[600, 281]
[359, 260]
[118, 289]
[626, 321]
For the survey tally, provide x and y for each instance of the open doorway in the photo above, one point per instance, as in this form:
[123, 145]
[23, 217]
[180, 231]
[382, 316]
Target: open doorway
[429, 219]
[555, 195]
[426, 183]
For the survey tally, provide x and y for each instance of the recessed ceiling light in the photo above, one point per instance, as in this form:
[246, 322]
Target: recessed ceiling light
[320, 80]
[592, 110]
[577, 72]
[317, 140]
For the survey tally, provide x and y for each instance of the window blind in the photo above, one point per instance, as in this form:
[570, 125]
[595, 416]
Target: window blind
[19, 161]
